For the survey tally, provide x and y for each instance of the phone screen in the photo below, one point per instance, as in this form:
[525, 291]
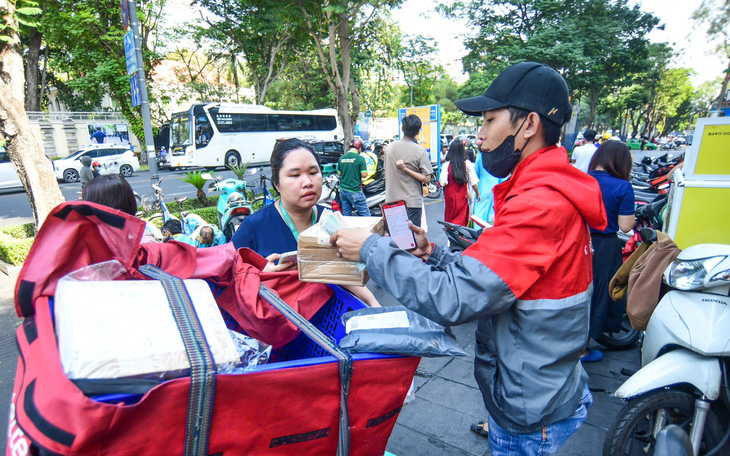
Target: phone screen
[396, 217]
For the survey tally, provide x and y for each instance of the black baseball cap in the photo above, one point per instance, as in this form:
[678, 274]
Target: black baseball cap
[527, 85]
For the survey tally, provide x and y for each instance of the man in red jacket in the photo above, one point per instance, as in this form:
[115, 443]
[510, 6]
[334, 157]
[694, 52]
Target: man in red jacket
[527, 281]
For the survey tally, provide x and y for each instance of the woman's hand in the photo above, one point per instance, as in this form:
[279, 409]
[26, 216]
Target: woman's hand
[273, 267]
[349, 241]
[400, 164]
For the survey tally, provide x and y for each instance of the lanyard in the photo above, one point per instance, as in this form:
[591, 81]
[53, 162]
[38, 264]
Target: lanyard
[290, 224]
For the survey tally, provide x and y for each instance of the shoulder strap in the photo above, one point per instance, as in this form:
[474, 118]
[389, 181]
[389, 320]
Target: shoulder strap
[202, 364]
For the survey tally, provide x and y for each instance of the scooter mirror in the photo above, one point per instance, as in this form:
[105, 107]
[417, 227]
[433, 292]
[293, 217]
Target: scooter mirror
[206, 176]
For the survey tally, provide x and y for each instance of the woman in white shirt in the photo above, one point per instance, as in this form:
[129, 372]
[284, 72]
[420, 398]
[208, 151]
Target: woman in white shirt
[457, 173]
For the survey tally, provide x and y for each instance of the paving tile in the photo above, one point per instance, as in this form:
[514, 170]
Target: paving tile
[432, 366]
[442, 424]
[460, 370]
[614, 361]
[406, 442]
[469, 349]
[587, 441]
[456, 396]
[465, 333]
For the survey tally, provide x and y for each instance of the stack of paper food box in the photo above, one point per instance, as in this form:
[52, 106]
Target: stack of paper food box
[318, 260]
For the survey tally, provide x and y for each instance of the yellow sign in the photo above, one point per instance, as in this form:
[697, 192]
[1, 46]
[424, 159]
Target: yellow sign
[429, 137]
[714, 153]
[423, 113]
[704, 217]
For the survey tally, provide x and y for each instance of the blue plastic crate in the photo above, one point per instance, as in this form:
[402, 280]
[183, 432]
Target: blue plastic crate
[302, 351]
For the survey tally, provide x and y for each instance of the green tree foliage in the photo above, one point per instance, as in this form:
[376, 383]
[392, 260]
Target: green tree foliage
[592, 44]
[302, 85]
[673, 101]
[715, 15]
[87, 52]
[333, 26]
[205, 75]
[704, 96]
[420, 73]
[374, 59]
[260, 31]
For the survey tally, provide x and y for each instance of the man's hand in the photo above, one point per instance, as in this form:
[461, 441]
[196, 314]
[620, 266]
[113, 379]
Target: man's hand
[400, 164]
[272, 267]
[423, 247]
[349, 241]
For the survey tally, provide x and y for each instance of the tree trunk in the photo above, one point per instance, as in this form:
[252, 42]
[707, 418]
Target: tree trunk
[32, 96]
[23, 150]
[593, 98]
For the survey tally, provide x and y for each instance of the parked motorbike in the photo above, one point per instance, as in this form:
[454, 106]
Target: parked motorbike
[460, 237]
[374, 193]
[233, 206]
[685, 361]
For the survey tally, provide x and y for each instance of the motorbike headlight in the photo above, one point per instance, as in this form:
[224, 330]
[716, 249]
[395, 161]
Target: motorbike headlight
[690, 274]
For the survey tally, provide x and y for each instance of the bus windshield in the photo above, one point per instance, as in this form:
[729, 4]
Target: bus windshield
[180, 130]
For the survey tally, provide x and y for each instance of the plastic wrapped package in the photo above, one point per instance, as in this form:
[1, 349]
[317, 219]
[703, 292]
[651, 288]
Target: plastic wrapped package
[251, 352]
[317, 258]
[125, 329]
[396, 330]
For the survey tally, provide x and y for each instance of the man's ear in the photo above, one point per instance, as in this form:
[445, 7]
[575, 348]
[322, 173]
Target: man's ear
[533, 125]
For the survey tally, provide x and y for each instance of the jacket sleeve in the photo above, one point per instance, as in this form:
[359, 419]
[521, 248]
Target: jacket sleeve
[449, 289]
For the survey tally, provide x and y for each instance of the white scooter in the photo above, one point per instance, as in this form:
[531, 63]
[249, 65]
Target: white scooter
[685, 361]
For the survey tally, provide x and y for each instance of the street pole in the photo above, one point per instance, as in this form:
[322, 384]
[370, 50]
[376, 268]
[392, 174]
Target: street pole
[146, 119]
[412, 88]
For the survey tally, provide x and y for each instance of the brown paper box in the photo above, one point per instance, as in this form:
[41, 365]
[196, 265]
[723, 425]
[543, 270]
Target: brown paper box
[320, 263]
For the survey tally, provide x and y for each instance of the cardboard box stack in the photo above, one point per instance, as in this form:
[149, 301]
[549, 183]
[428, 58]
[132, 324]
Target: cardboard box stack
[318, 260]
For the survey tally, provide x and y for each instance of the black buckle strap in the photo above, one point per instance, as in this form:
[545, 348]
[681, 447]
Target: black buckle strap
[202, 364]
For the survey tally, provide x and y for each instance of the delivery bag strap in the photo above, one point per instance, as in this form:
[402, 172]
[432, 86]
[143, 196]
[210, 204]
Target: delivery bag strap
[202, 364]
[344, 360]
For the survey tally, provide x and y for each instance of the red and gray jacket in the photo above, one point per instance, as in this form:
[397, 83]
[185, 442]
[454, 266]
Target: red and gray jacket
[528, 282]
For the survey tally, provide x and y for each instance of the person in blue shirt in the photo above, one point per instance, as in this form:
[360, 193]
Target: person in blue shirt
[274, 229]
[484, 207]
[98, 135]
[611, 167]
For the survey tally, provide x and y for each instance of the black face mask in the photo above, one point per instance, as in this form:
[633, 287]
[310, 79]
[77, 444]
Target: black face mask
[500, 162]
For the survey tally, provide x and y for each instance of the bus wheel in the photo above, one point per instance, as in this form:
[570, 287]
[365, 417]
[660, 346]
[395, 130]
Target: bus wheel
[233, 159]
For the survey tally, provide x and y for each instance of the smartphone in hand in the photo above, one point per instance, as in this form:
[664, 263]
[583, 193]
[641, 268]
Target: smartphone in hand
[288, 257]
[395, 215]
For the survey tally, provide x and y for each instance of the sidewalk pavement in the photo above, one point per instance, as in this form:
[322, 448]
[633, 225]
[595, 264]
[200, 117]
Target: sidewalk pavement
[447, 399]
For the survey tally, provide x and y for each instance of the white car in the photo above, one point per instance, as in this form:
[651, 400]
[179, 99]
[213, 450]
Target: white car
[9, 179]
[113, 160]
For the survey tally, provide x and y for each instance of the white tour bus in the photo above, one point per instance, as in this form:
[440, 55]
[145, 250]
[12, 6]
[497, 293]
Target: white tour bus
[224, 134]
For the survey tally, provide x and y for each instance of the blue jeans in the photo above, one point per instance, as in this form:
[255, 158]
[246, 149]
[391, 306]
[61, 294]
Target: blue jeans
[546, 441]
[354, 200]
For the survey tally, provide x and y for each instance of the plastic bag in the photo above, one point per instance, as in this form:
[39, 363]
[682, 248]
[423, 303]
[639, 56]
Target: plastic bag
[106, 270]
[396, 330]
[251, 351]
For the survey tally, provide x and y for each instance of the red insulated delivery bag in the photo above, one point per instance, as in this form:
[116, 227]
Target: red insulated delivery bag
[310, 399]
